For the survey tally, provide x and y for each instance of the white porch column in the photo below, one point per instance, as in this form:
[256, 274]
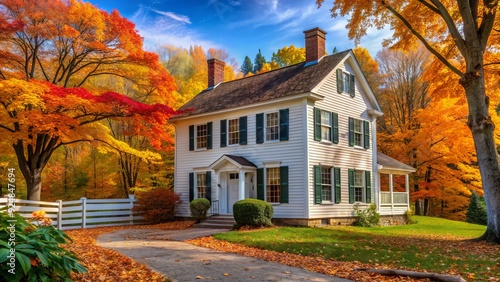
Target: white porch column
[407, 189]
[241, 187]
[392, 191]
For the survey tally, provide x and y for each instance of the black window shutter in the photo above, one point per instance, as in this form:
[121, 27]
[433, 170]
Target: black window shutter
[335, 128]
[317, 185]
[336, 176]
[368, 186]
[223, 133]
[340, 80]
[284, 184]
[259, 123]
[191, 138]
[208, 179]
[283, 116]
[191, 186]
[351, 186]
[366, 129]
[351, 85]
[209, 135]
[317, 124]
[260, 184]
[351, 132]
[243, 130]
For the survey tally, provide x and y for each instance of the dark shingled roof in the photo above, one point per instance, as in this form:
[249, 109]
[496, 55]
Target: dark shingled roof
[283, 82]
[389, 163]
[241, 160]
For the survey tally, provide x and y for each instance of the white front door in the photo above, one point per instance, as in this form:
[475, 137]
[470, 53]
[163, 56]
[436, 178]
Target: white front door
[232, 191]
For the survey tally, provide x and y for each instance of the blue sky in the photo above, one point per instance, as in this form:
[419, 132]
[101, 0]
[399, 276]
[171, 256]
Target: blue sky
[242, 27]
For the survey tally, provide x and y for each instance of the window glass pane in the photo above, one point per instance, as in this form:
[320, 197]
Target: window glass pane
[272, 126]
[358, 132]
[201, 185]
[326, 121]
[234, 131]
[326, 181]
[346, 82]
[359, 185]
[201, 136]
[273, 185]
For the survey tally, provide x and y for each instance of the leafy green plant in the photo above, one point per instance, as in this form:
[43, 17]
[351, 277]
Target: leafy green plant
[409, 217]
[199, 208]
[368, 217]
[157, 205]
[30, 250]
[253, 212]
[476, 212]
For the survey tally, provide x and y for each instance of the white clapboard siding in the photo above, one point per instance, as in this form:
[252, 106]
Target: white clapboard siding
[83, 213]
[338, 155]
[291, 153]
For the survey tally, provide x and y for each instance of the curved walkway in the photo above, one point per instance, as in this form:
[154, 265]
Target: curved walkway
[164, 252]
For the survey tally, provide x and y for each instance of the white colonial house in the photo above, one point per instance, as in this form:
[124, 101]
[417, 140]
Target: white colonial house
[302, 138]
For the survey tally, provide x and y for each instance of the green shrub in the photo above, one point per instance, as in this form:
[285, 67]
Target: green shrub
[38, 254]
[476, 212]
[199, 208]
[253, 212]
[367, 218]
[157, 205]
[409, 217]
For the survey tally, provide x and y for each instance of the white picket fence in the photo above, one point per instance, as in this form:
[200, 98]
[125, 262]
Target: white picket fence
[83, 213]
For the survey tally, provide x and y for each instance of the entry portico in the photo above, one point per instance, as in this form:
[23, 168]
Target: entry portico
[235, 181]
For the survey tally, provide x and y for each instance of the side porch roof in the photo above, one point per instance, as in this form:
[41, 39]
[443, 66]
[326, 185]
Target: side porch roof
[390, 165]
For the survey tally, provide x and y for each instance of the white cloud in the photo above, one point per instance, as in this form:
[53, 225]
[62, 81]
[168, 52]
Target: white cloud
[179, 18]
[158, 30]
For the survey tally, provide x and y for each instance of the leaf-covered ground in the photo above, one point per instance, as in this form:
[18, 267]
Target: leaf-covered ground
[107, 265]
[432, 245]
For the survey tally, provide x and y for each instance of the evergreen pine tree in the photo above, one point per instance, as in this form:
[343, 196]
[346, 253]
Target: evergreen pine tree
[258, 62]
[476, 212]
[335, 50]
[247, 66]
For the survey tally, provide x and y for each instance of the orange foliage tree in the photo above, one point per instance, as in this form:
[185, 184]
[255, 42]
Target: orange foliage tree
[462, 35]
[70, 44]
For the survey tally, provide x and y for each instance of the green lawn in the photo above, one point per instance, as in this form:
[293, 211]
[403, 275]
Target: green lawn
[433, 244]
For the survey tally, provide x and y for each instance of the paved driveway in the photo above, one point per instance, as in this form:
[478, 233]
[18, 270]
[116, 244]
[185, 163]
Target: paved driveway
[164, 252]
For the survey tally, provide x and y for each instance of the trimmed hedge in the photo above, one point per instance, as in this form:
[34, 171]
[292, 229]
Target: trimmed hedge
[252, 212]
[157, 205]
[199, 208]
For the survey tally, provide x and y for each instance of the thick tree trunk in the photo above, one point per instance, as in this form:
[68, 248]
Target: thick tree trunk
[482, 129]
[32, 159]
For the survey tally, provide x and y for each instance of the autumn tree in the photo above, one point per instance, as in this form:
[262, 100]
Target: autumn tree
[459, 34]
[289, 55]
[68, 44]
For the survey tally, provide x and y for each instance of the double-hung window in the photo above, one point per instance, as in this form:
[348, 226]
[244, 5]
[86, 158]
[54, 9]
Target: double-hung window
[359, 186]
[345, 82]
[326, 126]
[200, 136]
[359, 133]
[234, 131]
[272, 183]
[327, 188]
[201, 185]
[272, 126]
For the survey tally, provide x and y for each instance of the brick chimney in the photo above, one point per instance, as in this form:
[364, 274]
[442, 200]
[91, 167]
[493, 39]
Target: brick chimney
[215, 72]
[315, 44]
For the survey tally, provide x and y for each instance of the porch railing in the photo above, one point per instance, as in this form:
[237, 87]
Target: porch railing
[400, 198]
[214, 207]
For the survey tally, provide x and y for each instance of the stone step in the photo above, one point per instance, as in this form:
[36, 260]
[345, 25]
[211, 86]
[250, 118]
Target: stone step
[217, 222]
[214, 225]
